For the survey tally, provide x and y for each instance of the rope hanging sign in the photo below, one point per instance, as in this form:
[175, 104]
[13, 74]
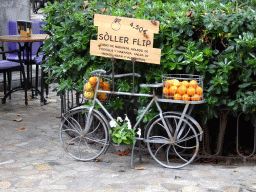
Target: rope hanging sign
[125, 38]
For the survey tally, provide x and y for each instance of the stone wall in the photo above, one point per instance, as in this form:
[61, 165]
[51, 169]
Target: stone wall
[13, 10]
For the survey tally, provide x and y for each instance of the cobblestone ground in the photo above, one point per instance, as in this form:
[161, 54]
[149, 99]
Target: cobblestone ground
[32, 159]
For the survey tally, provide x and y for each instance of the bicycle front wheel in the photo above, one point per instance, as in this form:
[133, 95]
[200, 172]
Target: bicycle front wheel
[175, 154]
[79, 144]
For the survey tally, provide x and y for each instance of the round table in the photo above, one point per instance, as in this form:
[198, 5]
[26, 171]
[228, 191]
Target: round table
[19, 39]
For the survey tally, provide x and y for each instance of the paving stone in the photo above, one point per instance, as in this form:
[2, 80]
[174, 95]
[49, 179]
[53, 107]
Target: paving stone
[4, 184]
[192, 189]
[172, 187]
[53, 187]
[35, 177]
[232, 189]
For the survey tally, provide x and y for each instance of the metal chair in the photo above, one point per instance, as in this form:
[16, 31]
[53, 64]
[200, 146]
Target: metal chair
[7, 67]
[39, 61]
[40, 57]
[13, 30]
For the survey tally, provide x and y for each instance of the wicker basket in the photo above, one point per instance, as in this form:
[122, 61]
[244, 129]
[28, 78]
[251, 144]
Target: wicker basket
[183, 87]
[90, 85]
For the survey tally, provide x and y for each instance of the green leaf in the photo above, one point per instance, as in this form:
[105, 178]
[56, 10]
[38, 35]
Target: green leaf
[176, 52]
[226, 29]
[244, 85]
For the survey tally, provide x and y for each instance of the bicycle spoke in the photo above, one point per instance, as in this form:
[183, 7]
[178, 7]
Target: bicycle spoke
[167, 155]
[72, 130]
[181, 132]
[159, 149]
[179, 155]
[94, 129]
[72, 124]
[68, 144]
[169, 126]
[79, 151]
[89, 147]
[188, 138]
[103, 141]
[161, 140]
[186, 147]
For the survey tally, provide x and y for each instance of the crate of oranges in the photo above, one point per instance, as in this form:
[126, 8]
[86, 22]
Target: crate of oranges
[90, 86]
[183, 87]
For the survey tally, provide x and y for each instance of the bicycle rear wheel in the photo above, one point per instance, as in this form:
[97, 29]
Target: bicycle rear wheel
[84, 146]
[179, 153]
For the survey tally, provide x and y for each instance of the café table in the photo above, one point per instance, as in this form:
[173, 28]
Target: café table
[27, 47]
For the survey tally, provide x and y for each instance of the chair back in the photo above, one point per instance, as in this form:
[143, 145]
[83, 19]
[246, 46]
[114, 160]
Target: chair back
[12, 30]
[41, 27]
[36, 30]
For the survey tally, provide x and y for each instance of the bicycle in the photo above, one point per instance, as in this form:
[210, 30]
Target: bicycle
[172, 138]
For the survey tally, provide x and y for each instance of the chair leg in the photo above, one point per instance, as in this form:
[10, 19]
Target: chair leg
[25, 86]
[46, 88]
[5, 83]
[37, 69]
[42, 87]
[9, 77]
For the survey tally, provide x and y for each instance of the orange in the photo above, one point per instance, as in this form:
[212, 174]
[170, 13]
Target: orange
[166, 91]
[88, 87]
[168, 83]
[106, 86]
[177, 96]
[185, 83]
[191, 91]
[88, 95]
[199, 91]
[196, 98]
[93, 80]
[98, 94]
[103, 96]
[185, 97]
[182, 90]
[168, 96]
[101, 83]
[193, 84]
[173, 90]
[175, 82]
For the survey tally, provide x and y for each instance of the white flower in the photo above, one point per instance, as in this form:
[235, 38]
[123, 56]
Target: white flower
[129, 125]
[113, 123]
[128, 122]
[126, 118]
[139, 132]
[119, 119]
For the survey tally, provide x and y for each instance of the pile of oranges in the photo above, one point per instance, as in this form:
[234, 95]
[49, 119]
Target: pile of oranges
[90, 88]
[182, 90]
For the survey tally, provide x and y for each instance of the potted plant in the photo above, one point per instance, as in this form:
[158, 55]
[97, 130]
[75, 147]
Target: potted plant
[122, 134]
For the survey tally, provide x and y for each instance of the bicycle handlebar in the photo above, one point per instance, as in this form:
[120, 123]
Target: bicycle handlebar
[101, 71]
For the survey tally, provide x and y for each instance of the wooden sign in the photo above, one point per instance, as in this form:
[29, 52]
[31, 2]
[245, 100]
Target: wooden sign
[125, 38]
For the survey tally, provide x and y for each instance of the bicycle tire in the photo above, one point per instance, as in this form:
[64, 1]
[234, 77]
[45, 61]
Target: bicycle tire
[182, 151]
[84, 146]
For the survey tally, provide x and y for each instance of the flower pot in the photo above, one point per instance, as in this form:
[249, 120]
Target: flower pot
[122, 149]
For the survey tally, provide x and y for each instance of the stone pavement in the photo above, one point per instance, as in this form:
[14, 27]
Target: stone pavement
[32, 159]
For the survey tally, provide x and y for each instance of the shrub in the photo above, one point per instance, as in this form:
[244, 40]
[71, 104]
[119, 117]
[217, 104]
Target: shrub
[211, 38]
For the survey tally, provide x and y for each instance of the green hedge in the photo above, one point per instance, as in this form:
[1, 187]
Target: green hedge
[211, 38]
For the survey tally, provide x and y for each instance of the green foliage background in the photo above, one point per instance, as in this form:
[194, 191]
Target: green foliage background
[211, 38]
